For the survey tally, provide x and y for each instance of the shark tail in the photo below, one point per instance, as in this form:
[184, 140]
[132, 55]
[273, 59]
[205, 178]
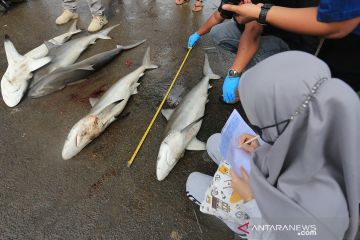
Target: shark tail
[147, 62]
[73, 28]
[104, 33]
[131, 46]
[207, 69]
[13, 56]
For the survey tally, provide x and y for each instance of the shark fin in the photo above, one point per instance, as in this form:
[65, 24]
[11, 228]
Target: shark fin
[135, 88]
[38, 63]
[207, 69]
[131, 46]
[12, 54]
[146, 60]
[196, 145]
[192, 124]
[88, 68]
[76, 82]
[167, 113]
[73, 28]
[108, 107]
[104, 33]
[93, 101]
[104, 37]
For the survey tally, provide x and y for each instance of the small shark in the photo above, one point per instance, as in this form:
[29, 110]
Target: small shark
[67, 53]
[15, 81]
[72, 74]
[104, 110]
[184, 123]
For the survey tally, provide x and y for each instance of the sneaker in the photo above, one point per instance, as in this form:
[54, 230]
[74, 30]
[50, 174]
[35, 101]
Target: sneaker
[97, 23]
[66, 16]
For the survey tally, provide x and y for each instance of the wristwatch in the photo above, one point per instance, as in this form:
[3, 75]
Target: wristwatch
[263, 12]
[233, 73]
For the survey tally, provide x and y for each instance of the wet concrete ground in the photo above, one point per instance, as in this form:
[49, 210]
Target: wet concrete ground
[94, 195]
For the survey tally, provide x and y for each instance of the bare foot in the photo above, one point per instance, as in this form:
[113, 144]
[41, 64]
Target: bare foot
[198, 6]
[180, 2]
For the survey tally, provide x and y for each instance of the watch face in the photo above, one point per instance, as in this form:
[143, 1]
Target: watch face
[233, 73]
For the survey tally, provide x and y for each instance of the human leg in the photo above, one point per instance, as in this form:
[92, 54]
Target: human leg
[269, 45]
[226, 35]
[99, 20]
[212, 147]
[69, 12]
[196, 186]
[96, 7]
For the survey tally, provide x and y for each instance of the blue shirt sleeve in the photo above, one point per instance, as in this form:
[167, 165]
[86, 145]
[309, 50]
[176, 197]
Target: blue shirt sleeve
[339, 10]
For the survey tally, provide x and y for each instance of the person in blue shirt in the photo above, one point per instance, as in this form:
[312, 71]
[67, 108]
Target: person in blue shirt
[338, 21]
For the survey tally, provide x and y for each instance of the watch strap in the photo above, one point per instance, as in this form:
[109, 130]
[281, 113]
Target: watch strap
[263, 13]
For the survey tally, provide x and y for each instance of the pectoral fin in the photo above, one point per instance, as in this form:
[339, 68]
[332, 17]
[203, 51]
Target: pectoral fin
[38, 63]
[167, 113]
[108, 107]
[93, 101]
[188, 127]
[196, 145]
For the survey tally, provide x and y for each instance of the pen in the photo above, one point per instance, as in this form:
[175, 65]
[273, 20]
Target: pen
[252, 139]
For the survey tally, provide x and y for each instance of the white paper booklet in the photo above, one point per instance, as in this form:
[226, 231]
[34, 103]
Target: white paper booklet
[229, 144]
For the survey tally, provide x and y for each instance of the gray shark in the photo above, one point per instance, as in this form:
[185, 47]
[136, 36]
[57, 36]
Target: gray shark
[43, 50]
[67, 53]
[105, 110]
[184, 123]
[64, 76]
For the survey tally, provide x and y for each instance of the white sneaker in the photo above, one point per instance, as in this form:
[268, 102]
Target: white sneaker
[66, 16]
[97, 23]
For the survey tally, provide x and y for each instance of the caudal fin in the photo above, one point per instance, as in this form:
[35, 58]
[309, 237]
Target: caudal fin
[147, 62]
[207, 69]
[73, 28]
[104, 33]
[131, 46]
[12, 55]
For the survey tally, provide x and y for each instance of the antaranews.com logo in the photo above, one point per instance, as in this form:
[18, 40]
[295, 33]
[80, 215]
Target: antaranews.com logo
[300, 229]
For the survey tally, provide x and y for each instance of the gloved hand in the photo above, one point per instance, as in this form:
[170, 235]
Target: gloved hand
[229, 88]
[193, 39]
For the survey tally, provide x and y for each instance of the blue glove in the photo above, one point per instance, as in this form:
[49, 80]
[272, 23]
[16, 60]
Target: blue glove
[193, 39]
[229, 88]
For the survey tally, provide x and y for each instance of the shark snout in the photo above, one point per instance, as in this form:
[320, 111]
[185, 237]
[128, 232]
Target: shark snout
[164, 157]
[69, 150]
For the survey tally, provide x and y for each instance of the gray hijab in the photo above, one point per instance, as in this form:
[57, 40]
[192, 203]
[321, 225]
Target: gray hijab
[310, 175]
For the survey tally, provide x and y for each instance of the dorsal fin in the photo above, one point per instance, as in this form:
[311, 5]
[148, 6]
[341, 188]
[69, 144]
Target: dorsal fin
[12, 54]
[193, 123]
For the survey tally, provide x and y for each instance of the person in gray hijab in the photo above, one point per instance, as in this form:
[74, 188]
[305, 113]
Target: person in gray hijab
[308, 173]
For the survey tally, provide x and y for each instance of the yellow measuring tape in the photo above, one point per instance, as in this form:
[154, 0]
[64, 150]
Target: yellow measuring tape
[158, 110]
